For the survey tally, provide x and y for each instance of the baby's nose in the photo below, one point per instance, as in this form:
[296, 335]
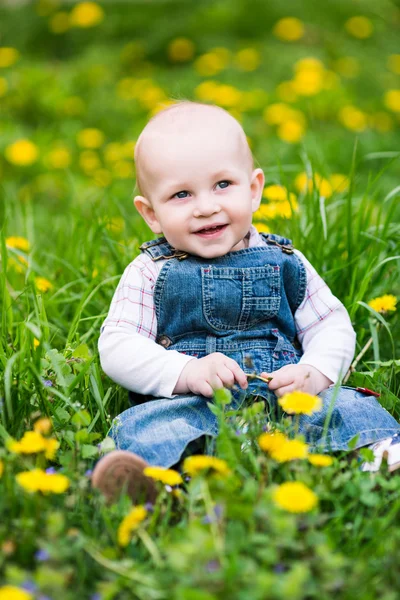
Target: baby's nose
[205, 206]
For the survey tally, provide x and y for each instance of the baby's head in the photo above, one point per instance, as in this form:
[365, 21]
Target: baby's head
[195, 172]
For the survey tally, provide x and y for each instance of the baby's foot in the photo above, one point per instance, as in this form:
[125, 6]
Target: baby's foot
[388, 449]
[121, 471]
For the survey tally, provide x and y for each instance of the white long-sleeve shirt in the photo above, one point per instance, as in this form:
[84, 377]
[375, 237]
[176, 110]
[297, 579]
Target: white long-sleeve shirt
[131, 357]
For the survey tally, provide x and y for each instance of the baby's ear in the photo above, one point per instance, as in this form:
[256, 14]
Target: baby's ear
[144, 207]
[257, 186]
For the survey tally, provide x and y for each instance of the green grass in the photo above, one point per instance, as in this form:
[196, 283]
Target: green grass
[186, 549]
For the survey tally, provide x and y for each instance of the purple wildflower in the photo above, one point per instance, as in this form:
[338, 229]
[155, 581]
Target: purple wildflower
[42, 555]
[47, 383]
[279, 568]
[149, 507]
[51, 470]
[88, 472]
[29, 586]
[212, 566]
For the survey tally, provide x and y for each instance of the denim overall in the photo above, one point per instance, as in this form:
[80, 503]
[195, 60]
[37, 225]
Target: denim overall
[242, 305]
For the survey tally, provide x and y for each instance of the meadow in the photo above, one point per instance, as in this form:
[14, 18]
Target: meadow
[317, 89]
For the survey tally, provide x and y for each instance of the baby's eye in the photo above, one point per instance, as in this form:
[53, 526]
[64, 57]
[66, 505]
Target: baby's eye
[223, 184]
[181, 194]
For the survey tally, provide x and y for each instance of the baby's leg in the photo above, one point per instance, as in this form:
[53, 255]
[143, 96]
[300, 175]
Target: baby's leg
[345, 415]
[158, 432]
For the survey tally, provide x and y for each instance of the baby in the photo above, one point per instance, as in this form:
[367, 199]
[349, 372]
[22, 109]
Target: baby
[211, 302]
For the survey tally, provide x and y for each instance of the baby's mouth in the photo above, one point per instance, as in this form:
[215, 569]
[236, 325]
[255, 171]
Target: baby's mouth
[211, 229]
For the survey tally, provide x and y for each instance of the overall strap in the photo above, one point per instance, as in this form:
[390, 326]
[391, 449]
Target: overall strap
[285, 244]
[159, 248]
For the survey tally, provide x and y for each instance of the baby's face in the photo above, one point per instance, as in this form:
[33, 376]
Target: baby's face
[199, 187]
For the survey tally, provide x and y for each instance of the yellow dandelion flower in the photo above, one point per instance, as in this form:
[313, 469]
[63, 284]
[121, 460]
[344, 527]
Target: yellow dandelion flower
[59, 158]
[123, 169]
[310, 63]
[51, 447]
[353, 118]
[129, 524]
[3, 87]
[166, 476]
[59, 22]
[323, 186]
[89, 161]
[289, 450]
[20, 243]
[227, 96]
[295, 497]
[212, 62]
[113, 152]
[348, 66]
[320, 460]
[22, 153]
[392, 100]
[303, 183]
[43, 425]
[359, 27]
[1, 467]
[152, 96]
[193, 465]
[394, 63]
[90, 138]
[271, 441]
[278, 193]
[8, 56]
[38, 480]
[288, 29]
[261, 227]
[181, 50]
[384, 303]
[42, 284]
[10, 592]
[339, 182]
[36, 343]
[248, 59]
[31, 442]
[278, 113]
[291, 131]
[272, 210]
[86, 14]
[300, 403]
[308, 83]
[206, 90]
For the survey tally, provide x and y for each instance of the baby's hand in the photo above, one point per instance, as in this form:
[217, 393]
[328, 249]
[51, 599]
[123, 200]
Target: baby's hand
[304, 378]
[213, 372]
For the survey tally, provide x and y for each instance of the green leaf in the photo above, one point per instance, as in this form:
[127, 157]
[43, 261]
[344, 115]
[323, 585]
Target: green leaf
[81, 418]
[62, 415]
[81, 351]
[89, 451]
[222, 396]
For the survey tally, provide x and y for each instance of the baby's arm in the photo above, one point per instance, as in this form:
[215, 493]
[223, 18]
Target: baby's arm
[128, 351]
[328, 339]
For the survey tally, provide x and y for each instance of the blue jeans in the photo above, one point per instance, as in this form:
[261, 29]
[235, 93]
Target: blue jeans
[160, 430]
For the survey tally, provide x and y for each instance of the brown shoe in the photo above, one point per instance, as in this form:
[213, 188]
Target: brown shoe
[121, 471]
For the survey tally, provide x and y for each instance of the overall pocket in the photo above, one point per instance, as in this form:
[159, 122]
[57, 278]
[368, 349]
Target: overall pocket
[238, 298]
